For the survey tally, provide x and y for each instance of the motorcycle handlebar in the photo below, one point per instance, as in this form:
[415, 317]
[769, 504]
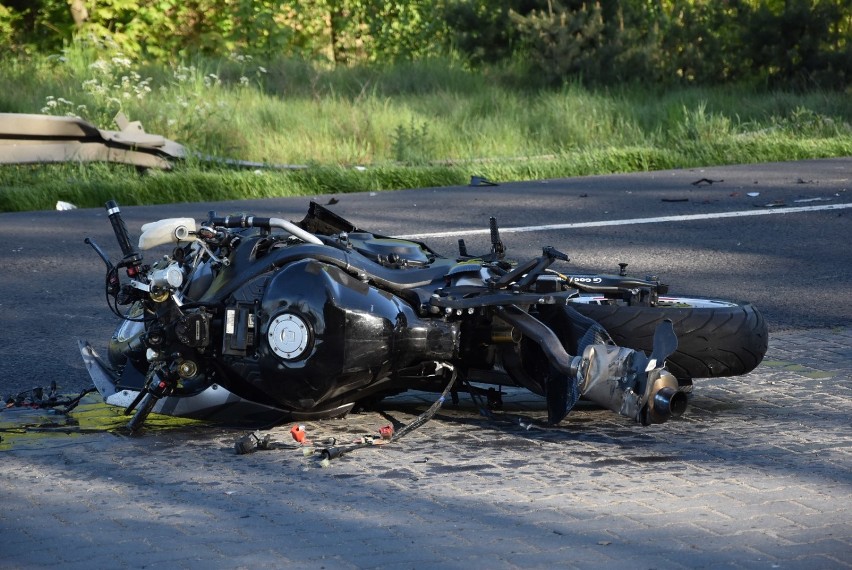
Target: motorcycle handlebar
[142, 413]
[239, 221]
[120, 230]
[266, 223]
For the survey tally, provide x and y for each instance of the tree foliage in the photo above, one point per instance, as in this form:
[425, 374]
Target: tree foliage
[773, 42]
[770, 42]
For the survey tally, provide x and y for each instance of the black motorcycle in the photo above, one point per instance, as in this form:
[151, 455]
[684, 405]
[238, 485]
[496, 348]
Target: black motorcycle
[255, 321]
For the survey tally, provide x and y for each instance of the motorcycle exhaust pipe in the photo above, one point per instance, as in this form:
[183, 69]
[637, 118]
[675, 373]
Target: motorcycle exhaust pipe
[665, 401]
[609, 376]
[669, 403]
[612, 376]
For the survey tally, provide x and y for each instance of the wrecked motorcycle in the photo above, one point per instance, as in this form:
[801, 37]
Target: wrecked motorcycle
[258, 321]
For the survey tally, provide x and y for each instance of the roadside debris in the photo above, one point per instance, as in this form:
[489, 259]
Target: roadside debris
[43, 139]
[46, 398]
[803, 200]
[481, 181]
[328, 449]
[708, 181]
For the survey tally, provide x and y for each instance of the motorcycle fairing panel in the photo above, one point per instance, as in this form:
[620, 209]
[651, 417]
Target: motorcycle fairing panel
[260, 318]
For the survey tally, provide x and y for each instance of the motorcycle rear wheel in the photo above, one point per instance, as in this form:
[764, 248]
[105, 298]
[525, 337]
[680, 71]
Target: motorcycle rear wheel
[715, 338]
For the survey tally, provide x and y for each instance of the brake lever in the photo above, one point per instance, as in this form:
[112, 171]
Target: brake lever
[100, 252]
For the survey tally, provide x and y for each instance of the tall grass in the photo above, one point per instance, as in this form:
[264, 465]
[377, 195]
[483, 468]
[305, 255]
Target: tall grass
[410, 125]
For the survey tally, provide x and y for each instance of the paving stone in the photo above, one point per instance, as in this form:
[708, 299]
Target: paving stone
[757, 474]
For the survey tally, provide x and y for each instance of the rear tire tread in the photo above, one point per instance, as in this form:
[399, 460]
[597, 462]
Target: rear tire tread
[712, 341]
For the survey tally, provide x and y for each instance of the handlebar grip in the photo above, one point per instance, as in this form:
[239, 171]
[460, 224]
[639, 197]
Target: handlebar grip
[497, 246]
[241, 221]
[120, 229]
[142, 412]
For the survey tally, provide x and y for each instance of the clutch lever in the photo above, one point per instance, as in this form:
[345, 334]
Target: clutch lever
[100, 252]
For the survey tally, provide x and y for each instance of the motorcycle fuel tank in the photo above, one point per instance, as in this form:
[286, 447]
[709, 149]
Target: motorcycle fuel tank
[318, 336]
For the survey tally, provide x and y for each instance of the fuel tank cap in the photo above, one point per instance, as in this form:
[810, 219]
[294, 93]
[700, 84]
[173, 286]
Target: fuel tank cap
[288, 336]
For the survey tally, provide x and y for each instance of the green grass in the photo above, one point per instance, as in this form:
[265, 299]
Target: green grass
[413, 125]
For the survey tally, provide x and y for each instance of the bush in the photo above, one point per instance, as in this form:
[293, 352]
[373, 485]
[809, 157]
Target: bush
[774, 43]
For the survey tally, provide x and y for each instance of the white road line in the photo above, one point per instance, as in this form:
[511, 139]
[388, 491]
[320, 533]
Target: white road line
[604, 223]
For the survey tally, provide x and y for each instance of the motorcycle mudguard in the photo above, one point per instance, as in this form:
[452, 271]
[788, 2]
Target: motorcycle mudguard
[214, 403]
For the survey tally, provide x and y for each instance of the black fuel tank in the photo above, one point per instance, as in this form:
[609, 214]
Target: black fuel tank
[324, 335]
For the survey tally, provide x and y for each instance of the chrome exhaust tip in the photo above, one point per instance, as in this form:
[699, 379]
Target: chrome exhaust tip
[665, 400]
[669, 403]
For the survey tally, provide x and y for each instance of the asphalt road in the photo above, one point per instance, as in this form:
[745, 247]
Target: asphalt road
[795, 266]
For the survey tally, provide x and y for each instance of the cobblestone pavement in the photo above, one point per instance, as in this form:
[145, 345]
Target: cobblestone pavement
[757, 474]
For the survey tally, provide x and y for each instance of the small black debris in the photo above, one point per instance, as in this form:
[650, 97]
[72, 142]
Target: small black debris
[705, 181]
[481, 181]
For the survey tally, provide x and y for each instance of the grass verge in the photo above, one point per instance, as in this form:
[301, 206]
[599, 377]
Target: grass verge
[380, 129]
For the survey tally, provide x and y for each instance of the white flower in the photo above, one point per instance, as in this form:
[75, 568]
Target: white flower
[99, 65]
